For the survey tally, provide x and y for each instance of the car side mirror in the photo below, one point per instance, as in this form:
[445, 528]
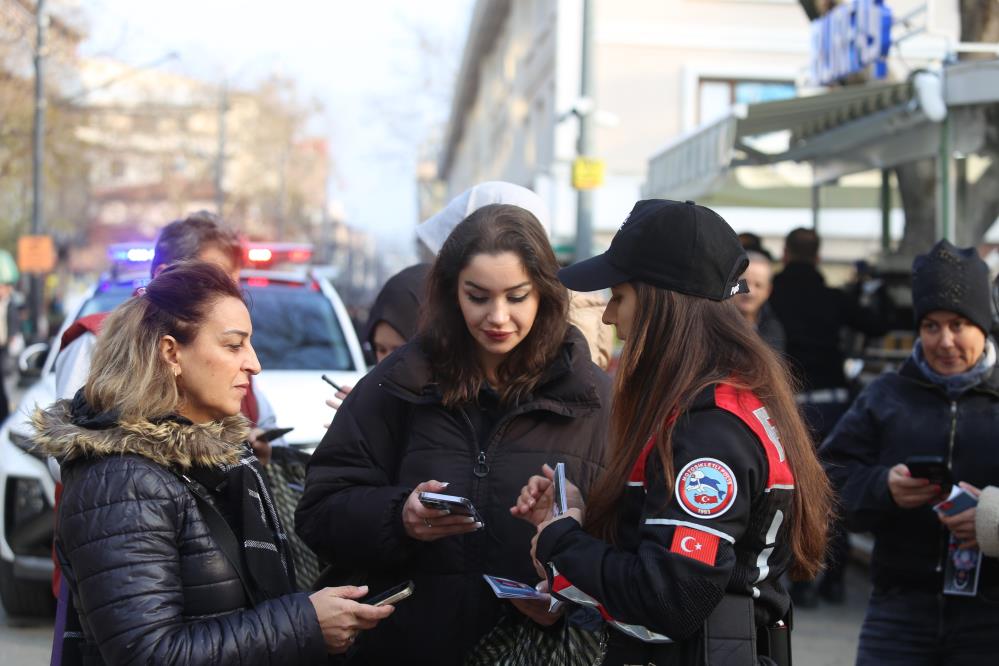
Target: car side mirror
[31, 360]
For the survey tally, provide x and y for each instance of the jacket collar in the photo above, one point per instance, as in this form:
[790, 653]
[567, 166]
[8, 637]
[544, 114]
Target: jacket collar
[801, 270]
[568, 387]
[170, 442]
[911, 372]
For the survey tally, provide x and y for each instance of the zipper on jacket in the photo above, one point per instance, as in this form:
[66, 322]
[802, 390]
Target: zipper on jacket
[944, 532]
[481, 468]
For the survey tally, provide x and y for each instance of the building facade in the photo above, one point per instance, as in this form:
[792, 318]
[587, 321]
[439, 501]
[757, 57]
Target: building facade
[662, 69]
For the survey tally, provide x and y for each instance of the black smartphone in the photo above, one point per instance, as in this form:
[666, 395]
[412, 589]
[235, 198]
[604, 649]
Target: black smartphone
[274, 433]
[933, 468]
[393, 595]
[459, 506]
[332, 383]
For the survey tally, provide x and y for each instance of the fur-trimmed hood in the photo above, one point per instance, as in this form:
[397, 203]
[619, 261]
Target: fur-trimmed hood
[169, 443]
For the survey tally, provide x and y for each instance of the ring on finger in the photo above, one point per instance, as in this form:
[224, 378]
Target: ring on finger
[427, 521]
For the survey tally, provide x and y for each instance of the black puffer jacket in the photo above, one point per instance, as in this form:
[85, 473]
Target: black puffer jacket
[897, 416]
[149, 582]
[393, 433]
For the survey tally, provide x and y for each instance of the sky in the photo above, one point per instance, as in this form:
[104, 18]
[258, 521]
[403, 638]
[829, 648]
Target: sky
[360, 59]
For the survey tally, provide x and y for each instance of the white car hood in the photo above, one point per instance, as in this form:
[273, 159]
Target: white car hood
[299, 400]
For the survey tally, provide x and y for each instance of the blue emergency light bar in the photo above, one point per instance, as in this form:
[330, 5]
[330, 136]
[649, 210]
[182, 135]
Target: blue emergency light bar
[130, 253]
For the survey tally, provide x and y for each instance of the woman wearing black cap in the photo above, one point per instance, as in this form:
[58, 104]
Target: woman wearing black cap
[703, 505]
[935, 600]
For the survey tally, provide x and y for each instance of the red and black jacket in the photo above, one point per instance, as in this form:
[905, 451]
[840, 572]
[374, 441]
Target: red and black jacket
[722, 529]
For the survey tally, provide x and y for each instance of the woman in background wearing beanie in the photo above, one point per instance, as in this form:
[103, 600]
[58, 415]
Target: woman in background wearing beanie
[712, 489]
[928, 605]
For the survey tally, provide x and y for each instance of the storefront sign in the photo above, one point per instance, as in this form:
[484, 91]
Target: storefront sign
[36, 254]
[587, 173]
[852, 37]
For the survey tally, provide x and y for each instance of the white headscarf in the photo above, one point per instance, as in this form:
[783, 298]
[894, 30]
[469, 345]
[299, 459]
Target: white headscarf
[437, 228]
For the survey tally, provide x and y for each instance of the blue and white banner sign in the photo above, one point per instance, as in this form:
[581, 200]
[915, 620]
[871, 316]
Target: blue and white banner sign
[853, 36]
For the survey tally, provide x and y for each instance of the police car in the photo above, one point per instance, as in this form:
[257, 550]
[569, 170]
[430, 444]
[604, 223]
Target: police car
[301, 331]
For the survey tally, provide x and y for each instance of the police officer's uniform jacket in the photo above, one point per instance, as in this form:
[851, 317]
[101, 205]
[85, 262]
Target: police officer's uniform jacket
[721, 530]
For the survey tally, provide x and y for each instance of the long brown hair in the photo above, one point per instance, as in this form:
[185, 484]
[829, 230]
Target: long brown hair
[492, 230]
[678, 346]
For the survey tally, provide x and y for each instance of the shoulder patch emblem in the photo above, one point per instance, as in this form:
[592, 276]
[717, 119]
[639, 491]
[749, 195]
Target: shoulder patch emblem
[706, 488]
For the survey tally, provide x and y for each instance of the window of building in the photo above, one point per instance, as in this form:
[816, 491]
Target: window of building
[717, 96]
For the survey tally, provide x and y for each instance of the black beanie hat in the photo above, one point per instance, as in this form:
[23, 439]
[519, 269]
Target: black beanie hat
[952, 279]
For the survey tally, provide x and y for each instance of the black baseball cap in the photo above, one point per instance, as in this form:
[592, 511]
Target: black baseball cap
[675, 245]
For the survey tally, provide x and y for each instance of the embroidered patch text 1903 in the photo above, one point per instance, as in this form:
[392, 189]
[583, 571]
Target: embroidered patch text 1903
[706, 488]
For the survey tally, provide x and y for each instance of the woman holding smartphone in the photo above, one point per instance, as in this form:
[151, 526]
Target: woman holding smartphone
[712, 490]
[495, 385]
[894, 455]
[167, 534]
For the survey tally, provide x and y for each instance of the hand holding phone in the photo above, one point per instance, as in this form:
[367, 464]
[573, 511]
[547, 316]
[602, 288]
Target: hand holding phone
[933, 468]
[391, 596]
[910, 492]
[454, 505]
[437, 515]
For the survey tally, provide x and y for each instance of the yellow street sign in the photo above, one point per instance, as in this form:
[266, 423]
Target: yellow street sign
[587, 173]
[36, 254]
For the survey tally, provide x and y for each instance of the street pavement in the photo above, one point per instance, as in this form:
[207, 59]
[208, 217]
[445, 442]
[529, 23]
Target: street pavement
[825, 636]
[25, 642]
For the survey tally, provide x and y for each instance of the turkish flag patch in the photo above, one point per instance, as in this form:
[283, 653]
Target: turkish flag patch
[695, 544]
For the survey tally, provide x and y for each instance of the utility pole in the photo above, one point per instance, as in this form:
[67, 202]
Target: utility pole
[38, 158]
[220, 156]
[584, 197]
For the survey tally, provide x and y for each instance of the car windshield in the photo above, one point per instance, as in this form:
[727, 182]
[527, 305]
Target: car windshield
[294, 325]
[295, 328]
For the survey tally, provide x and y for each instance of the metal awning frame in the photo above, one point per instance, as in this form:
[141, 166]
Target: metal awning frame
[850, 130]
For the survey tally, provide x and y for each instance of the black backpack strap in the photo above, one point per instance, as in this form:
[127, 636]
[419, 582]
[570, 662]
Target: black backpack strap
[221, 532]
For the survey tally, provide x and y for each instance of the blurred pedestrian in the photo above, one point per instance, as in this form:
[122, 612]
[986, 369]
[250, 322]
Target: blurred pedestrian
[813, 316]
[393, 319]
[755, 306]
[10, 325]
[753, 243]
[167, 535]
[201, 235]
[704, 505]
[495, 384]
[927, 606]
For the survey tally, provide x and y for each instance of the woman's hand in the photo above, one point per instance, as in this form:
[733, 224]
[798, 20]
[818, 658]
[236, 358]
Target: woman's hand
[573, 512]
[910, 492]
[537, 609]
[962, 525]
[337, 399]
[534, 504]
[425, 524]
[341, 618]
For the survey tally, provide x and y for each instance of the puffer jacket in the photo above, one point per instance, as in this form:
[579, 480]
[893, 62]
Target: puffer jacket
[149, 582]
[900, 415]
[393, 433]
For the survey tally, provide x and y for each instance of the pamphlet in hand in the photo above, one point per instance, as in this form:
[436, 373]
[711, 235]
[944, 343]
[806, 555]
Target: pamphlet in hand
[559, 502]
[958, 501]
[504, 588]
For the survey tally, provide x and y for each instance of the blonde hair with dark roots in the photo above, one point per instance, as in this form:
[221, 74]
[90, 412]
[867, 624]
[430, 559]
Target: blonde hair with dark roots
[128, 373]
[679, 345]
